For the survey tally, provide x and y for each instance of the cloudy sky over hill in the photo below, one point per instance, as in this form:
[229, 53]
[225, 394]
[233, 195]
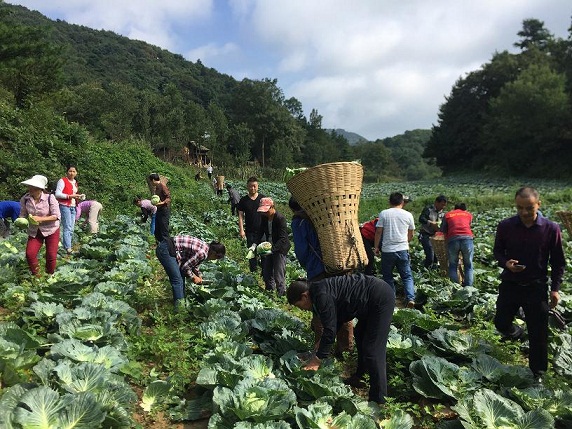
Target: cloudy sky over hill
[374, 67]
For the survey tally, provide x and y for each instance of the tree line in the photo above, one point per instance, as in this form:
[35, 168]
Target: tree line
[512, 116]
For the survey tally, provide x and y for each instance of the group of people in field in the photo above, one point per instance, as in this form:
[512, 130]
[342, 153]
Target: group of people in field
[50, 217]
[526, 246]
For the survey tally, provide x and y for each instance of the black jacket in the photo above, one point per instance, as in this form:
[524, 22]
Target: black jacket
[337, 300]
[280, 240]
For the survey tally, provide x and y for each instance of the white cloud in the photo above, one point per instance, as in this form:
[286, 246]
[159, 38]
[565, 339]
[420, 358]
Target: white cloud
[375, 67]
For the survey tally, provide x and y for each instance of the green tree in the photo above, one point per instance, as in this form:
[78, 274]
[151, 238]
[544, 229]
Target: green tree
[534, 34]
[528, 129]
[30, 66]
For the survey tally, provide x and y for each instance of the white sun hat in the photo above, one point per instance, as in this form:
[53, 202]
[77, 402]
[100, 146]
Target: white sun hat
[37, 181]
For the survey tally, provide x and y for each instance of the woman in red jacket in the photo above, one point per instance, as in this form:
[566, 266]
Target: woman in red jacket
[457, 229]
[67, 195]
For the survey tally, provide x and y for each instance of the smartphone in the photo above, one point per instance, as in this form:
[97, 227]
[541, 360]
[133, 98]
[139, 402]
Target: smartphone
[520, 266]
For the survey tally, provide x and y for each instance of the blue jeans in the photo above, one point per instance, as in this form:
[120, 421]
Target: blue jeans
[153, 216]
[465, 246]
[401, 261]
[172, 269]
[68, 223]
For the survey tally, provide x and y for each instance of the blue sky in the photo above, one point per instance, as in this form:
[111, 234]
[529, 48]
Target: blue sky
[374, 67]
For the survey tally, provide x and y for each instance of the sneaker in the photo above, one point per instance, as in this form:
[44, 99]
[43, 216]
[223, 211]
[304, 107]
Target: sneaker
[411, 304]
[538, 376]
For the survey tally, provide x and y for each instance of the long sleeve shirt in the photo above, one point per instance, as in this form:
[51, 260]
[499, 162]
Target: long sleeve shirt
[190, 252]
[9, 209]
[337, 300]
[307, 246]
[46, 206]
[536, 247]
[82, 207]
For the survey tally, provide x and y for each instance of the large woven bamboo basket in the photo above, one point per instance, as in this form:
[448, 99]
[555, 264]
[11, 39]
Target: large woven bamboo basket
[566, 218]
[330, 193]
[440, 248]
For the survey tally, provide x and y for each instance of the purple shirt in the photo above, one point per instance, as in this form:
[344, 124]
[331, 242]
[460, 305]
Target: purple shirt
[148, 207]
[535, 247]
[84, 207]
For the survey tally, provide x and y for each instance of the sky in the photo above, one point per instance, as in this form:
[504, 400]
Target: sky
[374, 67]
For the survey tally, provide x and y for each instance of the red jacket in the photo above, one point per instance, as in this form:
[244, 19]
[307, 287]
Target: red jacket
[368, 229]
[458, 222]
[68, 190]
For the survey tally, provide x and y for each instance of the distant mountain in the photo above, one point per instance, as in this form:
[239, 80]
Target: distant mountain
[352, 138]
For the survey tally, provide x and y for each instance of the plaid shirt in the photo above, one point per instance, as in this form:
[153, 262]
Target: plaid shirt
[191, 251]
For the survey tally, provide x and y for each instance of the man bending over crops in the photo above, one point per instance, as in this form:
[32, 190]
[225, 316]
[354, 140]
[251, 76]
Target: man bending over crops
[341, 299]
[524, 245]
[181, 256]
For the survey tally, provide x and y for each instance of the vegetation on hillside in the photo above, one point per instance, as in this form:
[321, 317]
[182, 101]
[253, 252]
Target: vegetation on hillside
[513, 116]
[120, 89]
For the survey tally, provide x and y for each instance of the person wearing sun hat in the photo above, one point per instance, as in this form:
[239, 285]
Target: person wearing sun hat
[43, 213]
[274, 264]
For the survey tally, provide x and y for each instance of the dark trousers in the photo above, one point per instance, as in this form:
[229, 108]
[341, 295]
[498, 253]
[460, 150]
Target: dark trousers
[162, 223]
[534, 301]
[430, 256]
[370, 268]
[371, 334]
[274, 272]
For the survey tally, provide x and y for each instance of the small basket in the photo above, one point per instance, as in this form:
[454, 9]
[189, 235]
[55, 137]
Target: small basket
[566, 218]
[220, 183]
[330, 194]
[162, 179]
[440, 249]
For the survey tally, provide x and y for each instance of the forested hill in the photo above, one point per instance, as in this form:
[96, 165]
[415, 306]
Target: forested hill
[121, 90]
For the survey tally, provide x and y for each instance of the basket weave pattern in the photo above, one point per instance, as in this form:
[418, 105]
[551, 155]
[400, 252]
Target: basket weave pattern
[440, 248]
[330, 194]
[566, 218]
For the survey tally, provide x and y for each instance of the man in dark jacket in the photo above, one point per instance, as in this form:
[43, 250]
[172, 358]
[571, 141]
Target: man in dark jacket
[274, 264]
[340, 299]
[233, 199]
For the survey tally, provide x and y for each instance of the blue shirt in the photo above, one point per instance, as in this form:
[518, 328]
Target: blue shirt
[307, 246]
[9, 209]
[535, 247]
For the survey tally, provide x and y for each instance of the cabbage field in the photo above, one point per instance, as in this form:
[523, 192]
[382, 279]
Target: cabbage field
[98, 343]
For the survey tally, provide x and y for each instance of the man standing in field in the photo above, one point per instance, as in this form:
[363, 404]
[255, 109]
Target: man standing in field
[396, 226]
[430, 220]
[249, 220]
[524, 246]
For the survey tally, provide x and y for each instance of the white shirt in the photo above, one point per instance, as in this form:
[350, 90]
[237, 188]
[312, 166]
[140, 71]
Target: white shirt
[396, 224]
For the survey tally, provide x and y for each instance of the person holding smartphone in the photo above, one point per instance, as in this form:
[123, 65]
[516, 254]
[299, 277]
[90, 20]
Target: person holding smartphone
[525, 245]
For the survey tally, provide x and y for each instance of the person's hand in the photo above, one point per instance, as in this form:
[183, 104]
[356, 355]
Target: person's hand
[197, 280]
[376, 250]
[313, 364]
[513, 266]
[242, 234]
[554, 298]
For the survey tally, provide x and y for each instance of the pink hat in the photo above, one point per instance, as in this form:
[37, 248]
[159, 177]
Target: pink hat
[265, 204]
